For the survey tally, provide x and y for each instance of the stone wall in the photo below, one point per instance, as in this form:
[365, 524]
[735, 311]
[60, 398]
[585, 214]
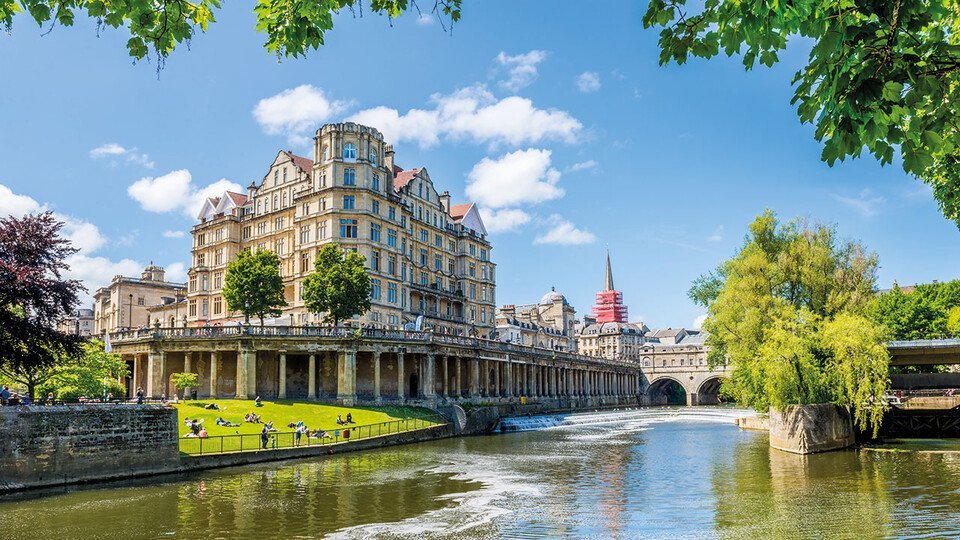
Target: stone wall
[807, 429]
[46, 446]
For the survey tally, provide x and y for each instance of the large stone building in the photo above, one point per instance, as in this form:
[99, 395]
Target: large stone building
[426, 257]
[79, 323]
[125, 302]
[550, 323]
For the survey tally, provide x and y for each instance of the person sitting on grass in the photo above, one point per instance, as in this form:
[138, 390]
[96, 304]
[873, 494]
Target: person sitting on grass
[269, 426]
[203, 433]
[349, 418]
[340, 421]
[257, 402]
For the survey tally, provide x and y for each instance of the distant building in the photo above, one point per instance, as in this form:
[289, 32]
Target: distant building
[126, 301]
[79, 323]
[610, 307]
[550, 323]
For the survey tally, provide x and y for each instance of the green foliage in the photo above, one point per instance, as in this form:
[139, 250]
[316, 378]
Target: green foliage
[788, 312]
[93, 374]
[881, 76]
[953, 321]
[291, 28]
[253, 285]
[338, 286]
[921, 314]
[184, 381]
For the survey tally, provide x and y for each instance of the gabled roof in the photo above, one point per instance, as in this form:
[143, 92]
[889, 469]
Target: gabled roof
[403, 178]
[457, 211]
[470, 218]
[304, 164]
[238, 199]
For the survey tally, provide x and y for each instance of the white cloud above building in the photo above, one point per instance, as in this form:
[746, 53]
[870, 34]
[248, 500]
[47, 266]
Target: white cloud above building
[296, 113]
[175, 191]
[504, 220]
[116, 153]
[521, 177]
[563, 232]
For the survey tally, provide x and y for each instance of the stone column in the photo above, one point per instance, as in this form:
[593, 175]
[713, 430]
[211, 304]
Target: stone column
[312, 377]
[135, 376]
[458, 373]
[400, 377]
[496, 380]
[475, 378]
[282, 377]
[347, 377]
[246, 374]
[151, 377]
[430, 388]
[376, 375]
[508, 382]
[446, 377]
[187, 362]
[214, 368]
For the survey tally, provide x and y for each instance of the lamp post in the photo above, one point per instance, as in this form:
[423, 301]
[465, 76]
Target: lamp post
[246, 312]
[130, 311]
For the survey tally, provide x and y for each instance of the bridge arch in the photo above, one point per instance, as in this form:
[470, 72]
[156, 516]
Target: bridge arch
[708, 393]
[666, 390]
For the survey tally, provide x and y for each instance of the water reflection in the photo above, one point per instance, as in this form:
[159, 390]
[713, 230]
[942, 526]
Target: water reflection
[648, 474]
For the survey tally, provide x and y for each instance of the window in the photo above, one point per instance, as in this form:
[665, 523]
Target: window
[376, 182]
[278, 247]
[304, 234]
[373, 158]
[201, 239]
[375, 289]
[326, 153]
[376, 207]
[321, 230]
[349, 177]
[218, 257]
[306, 209]
[284, 175]
[473, 291]
[217, 280]
[423, 257]
[348, 228]
[374, 260]
[473, 249]
[219, 234]
[217, 305]
[141, 300]
[323, 179]
[438, 241]
[437, 263]
[375, 232]
[276, 202]
[350, 152]
[473, 270]
[276, 176]
[245, 232]
[483, 254]
[392, 213]
[392, 265]
[192, 308]
[201, 259]
[392, 293]
[262, 227]
[348, 202]
[204, 283]
[206, 308]
[392, 237]
[304, 263]
[323, 204]
[424, 236]
[424, 278]
[193, 283]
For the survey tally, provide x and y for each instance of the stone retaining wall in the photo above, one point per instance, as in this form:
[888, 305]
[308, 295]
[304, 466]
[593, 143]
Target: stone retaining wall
[807, 429]
[47, 446]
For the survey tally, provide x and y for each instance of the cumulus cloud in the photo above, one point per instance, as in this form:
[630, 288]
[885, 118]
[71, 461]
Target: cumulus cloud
[175, 191]
[296, 113]
[174, 234]
[867, 204]
[588, 81]
[15, 205]
[473, 113]
[115, 153]
[563, 232]
[176, 272]
[507, 219]
[522, 69]
[698, 322]
[582, 166]
[524, 176]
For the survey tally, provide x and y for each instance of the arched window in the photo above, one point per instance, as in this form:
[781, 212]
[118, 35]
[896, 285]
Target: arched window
[373, 158]
[326, 153]
[350, 152]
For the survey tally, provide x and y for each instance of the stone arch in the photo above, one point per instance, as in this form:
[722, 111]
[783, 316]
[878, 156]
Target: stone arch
[708, 393]
[666, 391]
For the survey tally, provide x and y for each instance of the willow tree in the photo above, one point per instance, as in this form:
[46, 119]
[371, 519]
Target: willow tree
[883, 77]
[789, 314]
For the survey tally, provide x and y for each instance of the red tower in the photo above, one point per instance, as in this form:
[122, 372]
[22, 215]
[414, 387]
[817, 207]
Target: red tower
[610, 306]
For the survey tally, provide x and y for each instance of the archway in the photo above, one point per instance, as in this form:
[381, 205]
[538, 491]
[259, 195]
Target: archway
[709, 392]
[414, 386]
[667, 391]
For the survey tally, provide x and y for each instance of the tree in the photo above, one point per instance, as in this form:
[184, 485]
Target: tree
[788, 312]
[881, 76]
[185, 381]
[253, 285]
[291, 28]
[34, 296]
[921, 314]
[92, 372]
[338, 286]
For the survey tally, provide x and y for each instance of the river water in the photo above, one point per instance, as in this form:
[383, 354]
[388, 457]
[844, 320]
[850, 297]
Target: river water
[652, 473]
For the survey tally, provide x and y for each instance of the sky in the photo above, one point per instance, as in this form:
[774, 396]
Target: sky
[555, 119]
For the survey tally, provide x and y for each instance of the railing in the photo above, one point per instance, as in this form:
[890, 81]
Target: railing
[340, 332]
[253, 442]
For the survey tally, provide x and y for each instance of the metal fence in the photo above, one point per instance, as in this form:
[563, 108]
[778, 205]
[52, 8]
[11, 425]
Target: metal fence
[254, 442]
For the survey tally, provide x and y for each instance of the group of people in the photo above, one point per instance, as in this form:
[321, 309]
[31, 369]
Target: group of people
[196, 427]
[349, 420]
[252, 419]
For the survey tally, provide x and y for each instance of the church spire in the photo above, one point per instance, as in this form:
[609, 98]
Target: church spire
[608, 284]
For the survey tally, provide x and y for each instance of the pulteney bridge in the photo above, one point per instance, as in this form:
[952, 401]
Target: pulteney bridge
[368, 366]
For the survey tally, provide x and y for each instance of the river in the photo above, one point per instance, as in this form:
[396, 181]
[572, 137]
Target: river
[651, 473]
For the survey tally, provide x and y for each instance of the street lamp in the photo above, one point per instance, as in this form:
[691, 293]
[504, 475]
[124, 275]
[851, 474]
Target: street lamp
[246, 312]
[130, 311]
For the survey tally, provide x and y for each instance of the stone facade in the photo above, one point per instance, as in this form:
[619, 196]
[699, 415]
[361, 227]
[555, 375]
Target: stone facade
[42, 446]
[80, 323]
[550, 323]
[426, 257]
[125, 302]
[808, 429]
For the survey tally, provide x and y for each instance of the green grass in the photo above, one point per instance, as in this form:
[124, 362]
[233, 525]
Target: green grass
[282, 413]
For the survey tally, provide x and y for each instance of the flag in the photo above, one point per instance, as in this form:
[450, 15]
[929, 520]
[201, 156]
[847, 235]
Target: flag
[107, 347]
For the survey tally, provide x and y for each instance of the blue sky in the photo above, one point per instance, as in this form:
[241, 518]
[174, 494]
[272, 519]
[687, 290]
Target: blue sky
[555, 118]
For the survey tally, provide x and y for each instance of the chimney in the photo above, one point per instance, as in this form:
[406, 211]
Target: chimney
[388, 158]
[445, 201]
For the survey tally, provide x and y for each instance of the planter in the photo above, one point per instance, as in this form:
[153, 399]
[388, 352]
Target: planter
[808, 429]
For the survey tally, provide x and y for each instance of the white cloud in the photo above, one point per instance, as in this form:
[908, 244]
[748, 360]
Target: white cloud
[425, 19]
[176, 272]
[563, 232]
[698, 322]
[115, 151]
[716, 235]
[15, 205]
[582, 166]
[507, 219]
[296, 112]
[522, 69]
[524, 176]
[867, 204]
[175, 191]
[588, 81]
[473, 113]
[174, 234]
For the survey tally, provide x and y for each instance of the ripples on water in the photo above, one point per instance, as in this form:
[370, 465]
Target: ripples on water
[650, 473]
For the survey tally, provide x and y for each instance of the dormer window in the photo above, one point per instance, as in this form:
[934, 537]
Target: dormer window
[349, 152]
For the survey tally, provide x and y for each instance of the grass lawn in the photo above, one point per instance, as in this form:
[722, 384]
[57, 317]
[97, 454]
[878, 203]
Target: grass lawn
[282, 413]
